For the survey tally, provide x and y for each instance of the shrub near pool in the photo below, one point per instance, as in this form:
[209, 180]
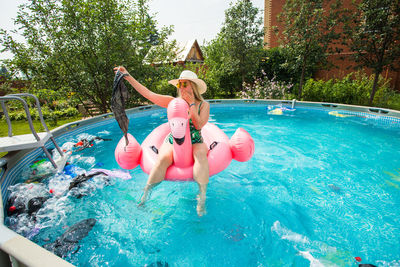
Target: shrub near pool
[353, 89]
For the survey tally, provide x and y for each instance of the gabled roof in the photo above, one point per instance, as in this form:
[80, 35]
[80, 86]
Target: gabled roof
[188, 52]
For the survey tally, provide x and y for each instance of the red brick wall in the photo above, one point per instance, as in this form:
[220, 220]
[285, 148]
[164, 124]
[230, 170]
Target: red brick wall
[272, 8]
[346, 65]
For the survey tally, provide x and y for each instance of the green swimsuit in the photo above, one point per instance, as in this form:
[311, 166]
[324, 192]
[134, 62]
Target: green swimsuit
[194, 133]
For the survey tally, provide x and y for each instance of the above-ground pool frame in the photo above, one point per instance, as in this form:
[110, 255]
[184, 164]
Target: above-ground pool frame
[20, 251]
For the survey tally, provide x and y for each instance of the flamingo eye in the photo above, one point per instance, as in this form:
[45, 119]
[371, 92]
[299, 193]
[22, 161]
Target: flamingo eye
[182, 123]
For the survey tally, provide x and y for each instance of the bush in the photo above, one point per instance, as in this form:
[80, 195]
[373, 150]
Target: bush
[56, 100]
[54, 104]
[355, 89]
[17, 115]
[387, 98]
[48, 114]
[265, 88]
[71, 112]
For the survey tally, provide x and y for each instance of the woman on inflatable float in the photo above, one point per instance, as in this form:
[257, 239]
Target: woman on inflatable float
[187, 147]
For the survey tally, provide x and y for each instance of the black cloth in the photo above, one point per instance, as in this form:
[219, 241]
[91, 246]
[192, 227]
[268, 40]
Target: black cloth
[119, 95]
[82, 178]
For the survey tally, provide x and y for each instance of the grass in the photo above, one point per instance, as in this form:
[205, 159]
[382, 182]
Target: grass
[22, 127]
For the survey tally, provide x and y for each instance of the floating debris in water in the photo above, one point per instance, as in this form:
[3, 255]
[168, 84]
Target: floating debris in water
[68, 241]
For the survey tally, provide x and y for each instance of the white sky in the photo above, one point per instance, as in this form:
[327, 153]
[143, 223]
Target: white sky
[192, 19]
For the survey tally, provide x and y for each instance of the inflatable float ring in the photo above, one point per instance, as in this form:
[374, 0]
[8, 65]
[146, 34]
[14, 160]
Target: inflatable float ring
[221, 150]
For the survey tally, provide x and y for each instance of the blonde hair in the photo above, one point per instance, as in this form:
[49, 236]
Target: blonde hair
[196, 93]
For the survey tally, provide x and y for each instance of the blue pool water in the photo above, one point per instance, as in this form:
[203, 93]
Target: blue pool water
[319, 189]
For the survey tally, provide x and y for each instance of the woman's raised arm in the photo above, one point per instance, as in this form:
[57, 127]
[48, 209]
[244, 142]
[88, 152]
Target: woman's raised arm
[160, 100]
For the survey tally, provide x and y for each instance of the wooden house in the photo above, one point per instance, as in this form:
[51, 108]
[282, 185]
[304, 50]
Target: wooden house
[189, 52]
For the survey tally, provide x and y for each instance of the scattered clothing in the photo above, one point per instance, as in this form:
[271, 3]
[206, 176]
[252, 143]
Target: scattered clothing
[68, 241]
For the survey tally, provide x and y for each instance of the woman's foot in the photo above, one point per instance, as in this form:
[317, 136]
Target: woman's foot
[146, 193]
[143, 198]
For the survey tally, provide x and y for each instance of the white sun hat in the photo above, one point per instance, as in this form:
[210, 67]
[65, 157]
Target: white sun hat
[191, 76]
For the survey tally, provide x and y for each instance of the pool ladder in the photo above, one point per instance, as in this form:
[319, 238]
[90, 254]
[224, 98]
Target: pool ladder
[288, 102]
[26, 141]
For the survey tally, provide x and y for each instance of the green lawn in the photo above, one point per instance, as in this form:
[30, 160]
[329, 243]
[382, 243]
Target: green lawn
[22, 127]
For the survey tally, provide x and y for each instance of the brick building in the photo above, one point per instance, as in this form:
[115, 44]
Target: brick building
[343, 60]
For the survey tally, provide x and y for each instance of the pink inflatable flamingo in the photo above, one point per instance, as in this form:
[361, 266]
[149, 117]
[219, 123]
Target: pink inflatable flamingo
[221, 150]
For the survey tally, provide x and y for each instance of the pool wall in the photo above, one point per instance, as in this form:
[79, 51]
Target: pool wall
[20, 251]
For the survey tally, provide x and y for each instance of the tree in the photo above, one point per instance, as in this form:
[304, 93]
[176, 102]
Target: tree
[276, 63]
[310, 29]
[234, 54]
[73, 45]
[374, 36]
[221, 72]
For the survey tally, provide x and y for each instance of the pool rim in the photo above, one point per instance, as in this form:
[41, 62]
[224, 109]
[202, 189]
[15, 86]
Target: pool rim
[22, 250]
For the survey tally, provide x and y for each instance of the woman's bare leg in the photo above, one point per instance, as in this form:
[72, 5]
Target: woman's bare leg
[157, 173]
[201, 175]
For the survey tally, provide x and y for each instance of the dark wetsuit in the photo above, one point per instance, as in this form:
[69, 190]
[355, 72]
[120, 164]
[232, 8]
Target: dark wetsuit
[195, 134]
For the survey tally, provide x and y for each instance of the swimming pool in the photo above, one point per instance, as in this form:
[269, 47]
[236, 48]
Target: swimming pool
[320, 187]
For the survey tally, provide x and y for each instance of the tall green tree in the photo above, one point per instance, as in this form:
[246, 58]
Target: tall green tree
[310, 31]
[276, 63]
[374, 35]
[221, 74]
[73, 45]
[234, 54]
